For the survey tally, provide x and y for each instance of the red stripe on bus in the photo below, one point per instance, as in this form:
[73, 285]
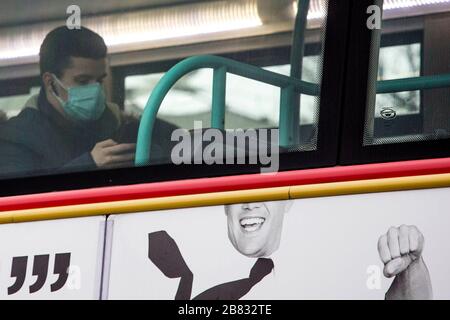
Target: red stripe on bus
[220, 184]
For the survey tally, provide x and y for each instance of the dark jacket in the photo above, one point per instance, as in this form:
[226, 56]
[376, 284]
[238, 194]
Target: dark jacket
[40, 141]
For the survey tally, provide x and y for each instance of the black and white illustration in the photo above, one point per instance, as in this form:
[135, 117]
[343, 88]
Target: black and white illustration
[372, 246]
[57, 259]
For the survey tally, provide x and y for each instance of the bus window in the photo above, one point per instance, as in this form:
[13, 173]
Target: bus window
[412, 44]
[188, 101]
[74, 123]
[249, 104]
[11, 105]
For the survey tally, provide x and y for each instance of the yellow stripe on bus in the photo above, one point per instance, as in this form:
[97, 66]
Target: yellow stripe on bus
[370, 186]
[163, 203]
[229, 197]
[6, 217]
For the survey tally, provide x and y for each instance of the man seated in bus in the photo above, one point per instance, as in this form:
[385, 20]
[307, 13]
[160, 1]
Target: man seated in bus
[70, 126]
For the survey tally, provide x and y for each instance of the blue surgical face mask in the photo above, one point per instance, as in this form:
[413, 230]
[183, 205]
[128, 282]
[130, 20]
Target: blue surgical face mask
[84, 103]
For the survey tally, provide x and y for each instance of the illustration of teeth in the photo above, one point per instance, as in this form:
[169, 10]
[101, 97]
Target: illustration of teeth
[251, 224]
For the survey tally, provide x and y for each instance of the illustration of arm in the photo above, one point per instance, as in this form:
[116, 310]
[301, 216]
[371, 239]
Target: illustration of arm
[401, 249]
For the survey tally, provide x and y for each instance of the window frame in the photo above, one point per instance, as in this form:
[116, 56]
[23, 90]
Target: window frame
[254, 57]
[352, 150]
[326, 155]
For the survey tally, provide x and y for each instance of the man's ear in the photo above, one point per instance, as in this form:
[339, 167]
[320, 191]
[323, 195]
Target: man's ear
[47, 80]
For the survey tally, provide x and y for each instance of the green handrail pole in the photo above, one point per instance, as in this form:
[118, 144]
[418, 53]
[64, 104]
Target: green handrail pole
[287, 117]
[290, 87]
[298, 41]
[147, 124]
[414, 84]
[218, 98]
[148, 119]
[290, 109]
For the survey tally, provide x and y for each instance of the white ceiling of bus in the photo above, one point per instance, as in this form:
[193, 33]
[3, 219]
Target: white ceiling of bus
[13, 12]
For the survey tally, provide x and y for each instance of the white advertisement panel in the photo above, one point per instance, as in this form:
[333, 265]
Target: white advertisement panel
[58, 259]
[371, 246]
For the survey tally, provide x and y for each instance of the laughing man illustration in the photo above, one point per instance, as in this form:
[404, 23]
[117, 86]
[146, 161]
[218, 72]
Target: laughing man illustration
[255, 229]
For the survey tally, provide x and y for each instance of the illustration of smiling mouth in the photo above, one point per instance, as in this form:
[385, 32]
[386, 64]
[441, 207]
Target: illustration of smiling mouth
[252, 224]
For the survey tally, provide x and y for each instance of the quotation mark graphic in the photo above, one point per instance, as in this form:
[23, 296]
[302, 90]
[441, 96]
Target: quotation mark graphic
[40, 270]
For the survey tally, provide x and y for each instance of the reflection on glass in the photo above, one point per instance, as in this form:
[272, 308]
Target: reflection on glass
[69, 126]
[10, 106]
[396, 62]
[249, 104]
[414, 43]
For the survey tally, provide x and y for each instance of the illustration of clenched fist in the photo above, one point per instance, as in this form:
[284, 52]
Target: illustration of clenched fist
[399, 247]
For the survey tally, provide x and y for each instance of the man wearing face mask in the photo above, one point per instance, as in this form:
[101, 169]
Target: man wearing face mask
[69, 126]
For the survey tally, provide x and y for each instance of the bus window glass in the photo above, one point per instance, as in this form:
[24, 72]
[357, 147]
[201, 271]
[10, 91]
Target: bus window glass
[249, 104]
[11, 105]
[73, 121]
[188, 101]
[411, 46]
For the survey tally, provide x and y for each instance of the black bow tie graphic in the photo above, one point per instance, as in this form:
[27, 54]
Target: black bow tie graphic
[165, 254]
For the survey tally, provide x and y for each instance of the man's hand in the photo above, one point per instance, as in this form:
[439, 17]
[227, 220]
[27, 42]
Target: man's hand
[109, 154]
[400, 249]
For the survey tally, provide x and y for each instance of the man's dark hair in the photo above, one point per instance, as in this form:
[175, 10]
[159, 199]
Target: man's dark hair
[62, 43]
